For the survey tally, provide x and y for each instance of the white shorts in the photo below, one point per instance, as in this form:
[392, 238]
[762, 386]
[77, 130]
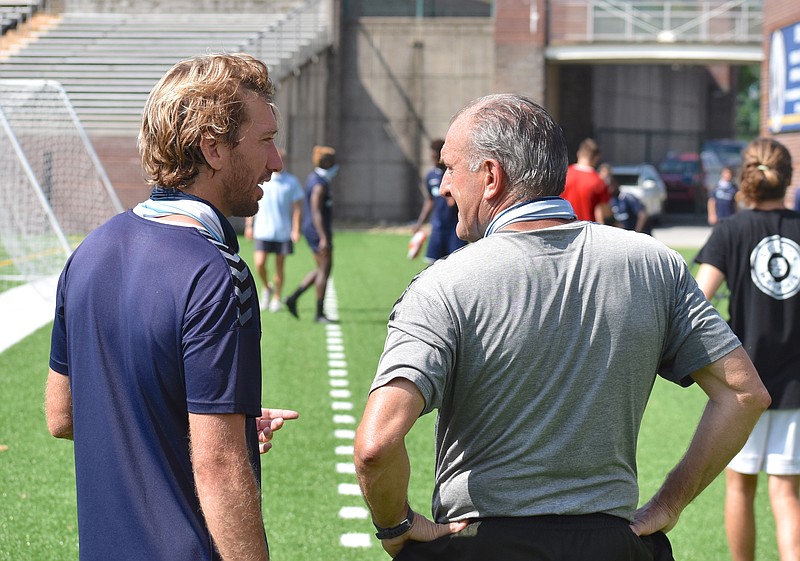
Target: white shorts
[772, 446]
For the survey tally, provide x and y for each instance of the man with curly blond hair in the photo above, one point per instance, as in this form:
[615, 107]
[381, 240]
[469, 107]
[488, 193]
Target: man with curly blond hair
[155, 368]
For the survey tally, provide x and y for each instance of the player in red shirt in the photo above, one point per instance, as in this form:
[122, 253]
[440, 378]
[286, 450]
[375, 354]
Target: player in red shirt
[585, 189]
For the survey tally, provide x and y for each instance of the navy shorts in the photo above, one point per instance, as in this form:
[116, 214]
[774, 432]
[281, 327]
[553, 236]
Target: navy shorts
[592, 537]
[278, 248]
[313, 240]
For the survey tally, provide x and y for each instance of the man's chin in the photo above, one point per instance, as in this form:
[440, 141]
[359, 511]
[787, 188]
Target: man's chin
[463, 235]
[245, 212]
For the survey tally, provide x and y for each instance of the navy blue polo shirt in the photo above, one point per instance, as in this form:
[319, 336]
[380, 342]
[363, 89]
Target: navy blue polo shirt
[153, 321]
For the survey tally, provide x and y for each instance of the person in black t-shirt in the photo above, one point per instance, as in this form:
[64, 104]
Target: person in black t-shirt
[757, 252]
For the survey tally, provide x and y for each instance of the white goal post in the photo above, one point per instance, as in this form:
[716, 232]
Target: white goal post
[53, 188]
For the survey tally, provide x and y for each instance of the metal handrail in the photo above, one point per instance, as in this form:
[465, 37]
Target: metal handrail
[667, 21]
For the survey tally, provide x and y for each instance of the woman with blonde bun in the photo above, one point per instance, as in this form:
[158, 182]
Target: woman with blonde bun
[757, 252]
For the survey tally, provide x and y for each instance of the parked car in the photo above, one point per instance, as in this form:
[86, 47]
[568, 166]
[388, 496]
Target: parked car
[717, 154]
[684, 176]
[643, 182]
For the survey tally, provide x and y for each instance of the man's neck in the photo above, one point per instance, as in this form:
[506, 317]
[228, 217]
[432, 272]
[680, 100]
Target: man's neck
[772, 204]
[531, 225]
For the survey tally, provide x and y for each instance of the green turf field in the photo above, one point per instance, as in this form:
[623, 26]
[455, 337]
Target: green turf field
[301, 483]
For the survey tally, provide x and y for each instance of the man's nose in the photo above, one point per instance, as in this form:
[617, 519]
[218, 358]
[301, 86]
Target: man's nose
[275, 161]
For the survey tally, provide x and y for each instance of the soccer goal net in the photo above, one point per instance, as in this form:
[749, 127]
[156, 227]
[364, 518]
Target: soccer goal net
[53, 189]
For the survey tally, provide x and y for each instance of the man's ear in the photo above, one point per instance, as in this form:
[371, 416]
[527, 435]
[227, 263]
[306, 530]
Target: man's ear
[493, 179]
[214, 152]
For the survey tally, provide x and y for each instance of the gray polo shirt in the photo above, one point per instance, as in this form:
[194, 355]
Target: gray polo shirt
[540, 350]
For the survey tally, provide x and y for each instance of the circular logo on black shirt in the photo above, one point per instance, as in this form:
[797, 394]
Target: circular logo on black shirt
[775, 267]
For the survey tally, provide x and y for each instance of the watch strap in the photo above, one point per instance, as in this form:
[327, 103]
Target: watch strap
[395, 531]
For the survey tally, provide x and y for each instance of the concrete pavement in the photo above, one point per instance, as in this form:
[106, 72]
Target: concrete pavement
[683, 230]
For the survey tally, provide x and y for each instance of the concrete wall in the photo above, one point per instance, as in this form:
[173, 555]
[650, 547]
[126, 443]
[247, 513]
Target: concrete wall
[402, 80]
[639, 112]
[666, 103]
[520, 31]
[304, 102]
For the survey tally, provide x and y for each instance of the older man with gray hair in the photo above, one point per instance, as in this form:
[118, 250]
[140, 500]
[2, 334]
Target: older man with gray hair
[539, 344]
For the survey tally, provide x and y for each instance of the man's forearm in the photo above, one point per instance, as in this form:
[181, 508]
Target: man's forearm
[297, 215]
[381, 459]
[708, 454]
[316, 218]
[384, 484]
[226, 486]
[230, 499]
[736, 401]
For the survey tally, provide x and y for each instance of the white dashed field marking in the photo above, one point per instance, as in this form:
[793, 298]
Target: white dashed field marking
[353, 512]
[340, 403]
[355, 540]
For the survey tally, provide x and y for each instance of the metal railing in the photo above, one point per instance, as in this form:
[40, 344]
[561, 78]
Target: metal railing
[302, 35]
[637, 21]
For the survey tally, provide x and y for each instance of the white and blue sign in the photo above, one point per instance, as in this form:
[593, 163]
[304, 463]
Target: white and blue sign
[784, 79]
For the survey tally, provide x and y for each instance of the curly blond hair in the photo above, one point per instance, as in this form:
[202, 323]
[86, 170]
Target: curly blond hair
[766, 171]
[201, 97]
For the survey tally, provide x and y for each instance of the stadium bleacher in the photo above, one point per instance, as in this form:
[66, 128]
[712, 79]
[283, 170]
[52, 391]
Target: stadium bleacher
[108, 62]
[14, 13]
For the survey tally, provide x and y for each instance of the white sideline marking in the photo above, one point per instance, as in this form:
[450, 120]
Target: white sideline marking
[353, 512]
[337, 372]
[356, 540]
[25, 309]
[349, 489]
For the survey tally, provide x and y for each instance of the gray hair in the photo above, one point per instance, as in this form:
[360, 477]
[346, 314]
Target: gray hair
[523, 138]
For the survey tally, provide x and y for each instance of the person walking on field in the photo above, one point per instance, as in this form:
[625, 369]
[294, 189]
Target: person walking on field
[443, 212]
[318, 229]
[627, 211]
[540, 397]
[757, 253]
[155, 361]
[274, 230]
[585, 189]
[722, 202]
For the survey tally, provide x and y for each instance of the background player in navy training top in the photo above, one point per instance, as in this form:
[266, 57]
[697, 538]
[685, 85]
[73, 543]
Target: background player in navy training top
[722, 202]
[318, 229]
[155, 367]
[443, 211]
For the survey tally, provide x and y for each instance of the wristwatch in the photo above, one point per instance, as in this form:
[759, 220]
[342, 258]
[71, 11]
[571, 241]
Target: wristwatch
[395, 531]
